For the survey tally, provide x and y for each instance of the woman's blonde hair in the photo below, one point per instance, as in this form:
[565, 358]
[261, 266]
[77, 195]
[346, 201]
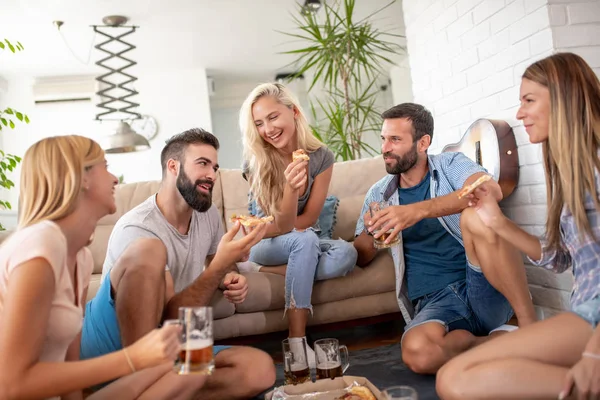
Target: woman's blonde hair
[51, 177]
[571, 151]
[266, 166]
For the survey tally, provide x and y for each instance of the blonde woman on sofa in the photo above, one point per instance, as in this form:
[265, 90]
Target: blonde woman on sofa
[559, 356]
[273, 126]
[45, 269]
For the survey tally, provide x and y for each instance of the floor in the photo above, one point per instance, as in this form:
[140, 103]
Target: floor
[356, 338]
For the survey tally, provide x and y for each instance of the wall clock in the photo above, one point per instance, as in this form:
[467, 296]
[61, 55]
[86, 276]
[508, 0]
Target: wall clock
[145, 126]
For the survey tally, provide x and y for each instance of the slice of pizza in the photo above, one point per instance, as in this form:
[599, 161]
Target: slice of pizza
[251, 220]
[300, 154]
[469, 189]
[358, 393]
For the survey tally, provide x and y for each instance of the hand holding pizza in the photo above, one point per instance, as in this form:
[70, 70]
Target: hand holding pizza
[395, 218]
[231, 250]
[486, 205]
[295, 173]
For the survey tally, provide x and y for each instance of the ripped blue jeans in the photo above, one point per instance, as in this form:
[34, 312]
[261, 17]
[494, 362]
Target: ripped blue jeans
[308, 259]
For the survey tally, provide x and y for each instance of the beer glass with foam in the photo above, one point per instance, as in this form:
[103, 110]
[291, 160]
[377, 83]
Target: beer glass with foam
[380, 242]
[196, 353]
[295, 361]
[332, 358]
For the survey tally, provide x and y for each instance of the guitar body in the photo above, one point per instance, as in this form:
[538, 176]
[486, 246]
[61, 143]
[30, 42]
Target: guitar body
[492, 144]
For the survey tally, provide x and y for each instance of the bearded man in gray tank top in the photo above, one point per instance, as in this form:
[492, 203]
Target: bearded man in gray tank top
[170, 251]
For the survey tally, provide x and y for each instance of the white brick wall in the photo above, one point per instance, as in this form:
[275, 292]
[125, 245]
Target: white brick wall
[576, 28]
[467, 58]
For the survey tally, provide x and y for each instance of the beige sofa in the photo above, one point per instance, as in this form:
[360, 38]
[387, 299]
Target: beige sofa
[365, 292]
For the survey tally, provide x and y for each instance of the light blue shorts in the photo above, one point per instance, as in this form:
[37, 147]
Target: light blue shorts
[589, 310]
[100, 334]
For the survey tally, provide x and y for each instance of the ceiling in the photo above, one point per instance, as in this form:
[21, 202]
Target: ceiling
[227, 37]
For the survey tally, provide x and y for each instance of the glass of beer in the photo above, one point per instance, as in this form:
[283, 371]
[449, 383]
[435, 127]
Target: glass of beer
[196, 353]
[295, 361]
[400, 393]
[380, 242]
[332, 358]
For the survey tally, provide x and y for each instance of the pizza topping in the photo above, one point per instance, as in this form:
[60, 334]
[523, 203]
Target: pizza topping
[251, 220]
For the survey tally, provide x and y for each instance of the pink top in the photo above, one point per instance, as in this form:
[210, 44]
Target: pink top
[46, 240]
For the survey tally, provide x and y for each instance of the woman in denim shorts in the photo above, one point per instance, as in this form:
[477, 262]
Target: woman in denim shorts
[558, 357]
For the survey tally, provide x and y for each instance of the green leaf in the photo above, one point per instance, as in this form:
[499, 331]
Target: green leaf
[20, 45]
[2, 45]
[17, 158]
[12, 124]
[7, 204]
[19, 116]
[12, 162]
[9, 111]
[26, 119]
[3, 165]
[10, 46]
[4, 121]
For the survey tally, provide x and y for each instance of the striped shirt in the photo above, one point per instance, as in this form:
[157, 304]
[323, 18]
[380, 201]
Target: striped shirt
[582, 253]
[449, 171]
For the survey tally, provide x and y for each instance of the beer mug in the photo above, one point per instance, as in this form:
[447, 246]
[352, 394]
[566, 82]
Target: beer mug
[400, 393]
[332, 358]
[196, 353]
[380, 242]
[295, 361]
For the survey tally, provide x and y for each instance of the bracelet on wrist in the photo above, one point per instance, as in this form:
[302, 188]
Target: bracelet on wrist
[589, 354]
[129, 360]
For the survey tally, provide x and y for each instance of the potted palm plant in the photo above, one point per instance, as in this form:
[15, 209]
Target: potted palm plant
[346, 58]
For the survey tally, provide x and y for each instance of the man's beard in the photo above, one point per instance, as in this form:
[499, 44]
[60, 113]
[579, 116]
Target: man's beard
[403, 163]
[199, 201]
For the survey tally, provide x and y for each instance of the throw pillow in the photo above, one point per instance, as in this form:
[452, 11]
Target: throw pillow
[327, 218]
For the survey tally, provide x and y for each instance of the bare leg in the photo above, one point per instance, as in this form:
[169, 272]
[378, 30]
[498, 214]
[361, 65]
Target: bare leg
[500, 262]
[279, 270]
[530, 363]
[138, 282]
[240, 373]
[425, 348]
[297, 318]
[156, 383]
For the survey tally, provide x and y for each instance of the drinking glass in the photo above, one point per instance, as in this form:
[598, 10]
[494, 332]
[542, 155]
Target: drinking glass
[332, 358]
[380, 242]
[196, 352]
[295, 361]
[400, 393]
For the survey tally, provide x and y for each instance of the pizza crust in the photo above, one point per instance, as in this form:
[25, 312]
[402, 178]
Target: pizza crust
[251, 220]
[469, 189]
[300, 154]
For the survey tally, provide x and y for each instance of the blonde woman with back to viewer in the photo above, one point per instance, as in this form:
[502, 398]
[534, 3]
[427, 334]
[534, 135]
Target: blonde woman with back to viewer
[558, 357]
[45, 269]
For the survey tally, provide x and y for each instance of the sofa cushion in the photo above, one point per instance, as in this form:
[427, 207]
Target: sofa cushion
[267, 291]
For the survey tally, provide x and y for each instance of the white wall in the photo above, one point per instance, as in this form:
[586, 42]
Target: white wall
[576, 28]
[178, 99]
[466, 59]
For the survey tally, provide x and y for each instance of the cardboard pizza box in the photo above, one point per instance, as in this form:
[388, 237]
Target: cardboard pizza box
[322, 389]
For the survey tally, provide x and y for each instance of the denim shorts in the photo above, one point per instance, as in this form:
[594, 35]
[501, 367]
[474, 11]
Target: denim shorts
[472, 304]
[589, 310]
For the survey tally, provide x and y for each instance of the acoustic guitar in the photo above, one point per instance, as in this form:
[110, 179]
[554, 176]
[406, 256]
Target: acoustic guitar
[491, 144]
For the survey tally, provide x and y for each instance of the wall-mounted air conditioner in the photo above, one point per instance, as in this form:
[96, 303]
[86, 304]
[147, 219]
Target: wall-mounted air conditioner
[64, 89]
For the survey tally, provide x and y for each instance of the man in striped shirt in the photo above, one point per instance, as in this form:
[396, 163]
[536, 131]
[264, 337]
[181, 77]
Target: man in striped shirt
[456, 280]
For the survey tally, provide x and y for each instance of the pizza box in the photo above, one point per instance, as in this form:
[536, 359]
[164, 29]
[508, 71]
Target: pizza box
[322, 389]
